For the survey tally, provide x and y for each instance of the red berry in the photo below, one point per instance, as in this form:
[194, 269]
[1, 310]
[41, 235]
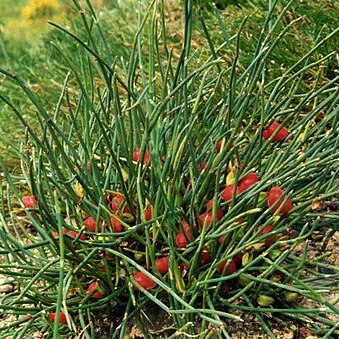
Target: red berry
[107, 199]
[90, 224]
[266, 133]
[230, 269]
[228, 192]
[209, 205]
[62, 317]
[29, 201]
[181, 241]
[220, 213]
[103, 268]
[148, 212]
[249, 180]
[267, 229]
[162, 265]
[117, 203]
[74, 234]
[241, 220]
[202, 166]
[276, 193]
[187, 229]
[206, 219]
[204, 257]
[221, 240]
[55, 235]
[209, 208]
[137, 154]
[105, 255]
[117, 226]
[184, 267]
[144, 281]
[218, 145]
[94, 286]
[280, 136]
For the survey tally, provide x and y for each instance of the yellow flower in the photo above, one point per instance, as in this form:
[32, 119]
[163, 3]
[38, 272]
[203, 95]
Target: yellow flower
[37, 9]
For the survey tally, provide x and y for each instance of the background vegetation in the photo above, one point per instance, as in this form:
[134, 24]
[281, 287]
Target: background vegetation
[27, 43]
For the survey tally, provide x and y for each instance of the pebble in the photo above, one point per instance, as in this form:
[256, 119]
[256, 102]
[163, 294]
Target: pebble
[6, 285]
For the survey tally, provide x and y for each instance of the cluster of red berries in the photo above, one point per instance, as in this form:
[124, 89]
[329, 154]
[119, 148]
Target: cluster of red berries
[277, 200]
[281, 135]
[119, 207]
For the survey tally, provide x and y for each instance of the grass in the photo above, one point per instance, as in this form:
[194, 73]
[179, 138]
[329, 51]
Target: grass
[23, 24]
[316, 20]
[30, 50]
[172, 102]
[10, 11]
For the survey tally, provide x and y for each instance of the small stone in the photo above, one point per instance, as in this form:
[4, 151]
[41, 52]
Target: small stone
[7, 288]
[6, 285]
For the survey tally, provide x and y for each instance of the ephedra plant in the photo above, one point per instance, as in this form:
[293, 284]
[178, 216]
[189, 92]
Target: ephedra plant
[175, 182]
